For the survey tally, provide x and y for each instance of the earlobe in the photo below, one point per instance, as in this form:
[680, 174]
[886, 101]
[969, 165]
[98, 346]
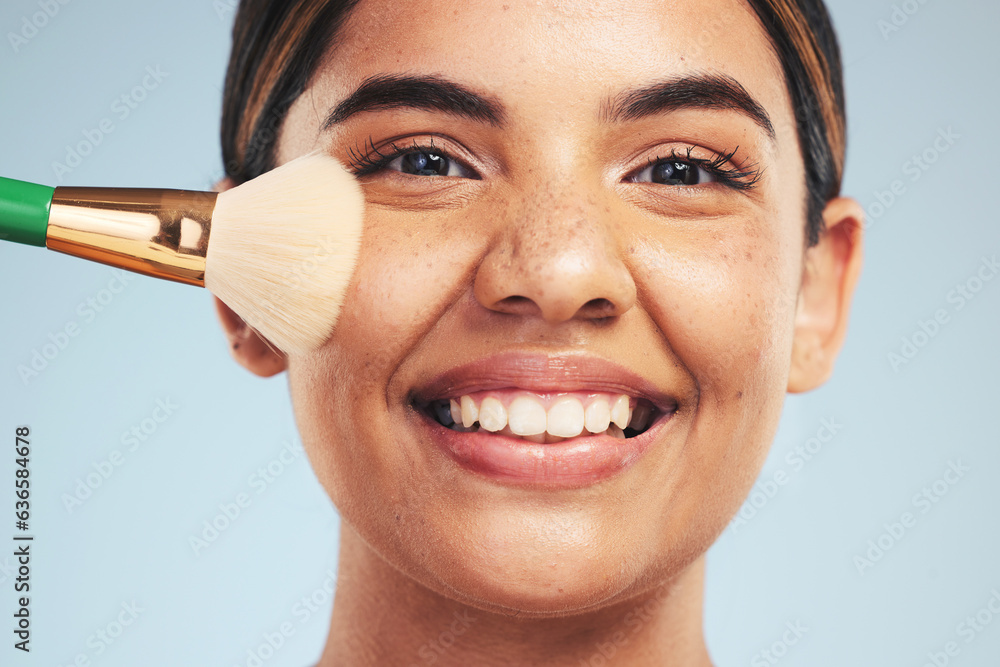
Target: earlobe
[830, 274]
[248, 348]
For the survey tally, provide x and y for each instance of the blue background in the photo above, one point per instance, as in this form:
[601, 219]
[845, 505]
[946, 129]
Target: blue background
[793, 558]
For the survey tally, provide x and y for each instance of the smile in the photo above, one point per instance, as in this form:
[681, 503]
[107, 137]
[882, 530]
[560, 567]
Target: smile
[545, 421]
[545, 418]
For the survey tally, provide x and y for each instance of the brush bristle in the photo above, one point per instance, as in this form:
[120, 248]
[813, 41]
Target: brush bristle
[283, 247]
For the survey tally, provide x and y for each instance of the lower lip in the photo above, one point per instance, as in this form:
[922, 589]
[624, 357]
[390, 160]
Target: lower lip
[575, 462]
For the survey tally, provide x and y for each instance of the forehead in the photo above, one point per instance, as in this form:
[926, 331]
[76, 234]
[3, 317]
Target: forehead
[557, 53]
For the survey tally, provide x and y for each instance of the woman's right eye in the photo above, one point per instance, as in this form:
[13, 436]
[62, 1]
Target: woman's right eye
[428, 163]
[674, 172]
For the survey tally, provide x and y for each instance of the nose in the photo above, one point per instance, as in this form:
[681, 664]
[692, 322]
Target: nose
[558, 257]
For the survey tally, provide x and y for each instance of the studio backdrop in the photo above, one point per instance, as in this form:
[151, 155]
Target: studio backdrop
[176, 521]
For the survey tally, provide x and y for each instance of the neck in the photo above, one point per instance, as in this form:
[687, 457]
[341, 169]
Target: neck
[383, 617]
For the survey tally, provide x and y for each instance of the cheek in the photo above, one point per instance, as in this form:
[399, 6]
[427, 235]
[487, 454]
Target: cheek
[406, 275]
[404, 280]
[725, 306]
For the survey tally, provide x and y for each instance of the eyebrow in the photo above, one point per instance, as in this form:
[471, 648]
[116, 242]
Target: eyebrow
[396, 91]
[699, 91]
[435, 93]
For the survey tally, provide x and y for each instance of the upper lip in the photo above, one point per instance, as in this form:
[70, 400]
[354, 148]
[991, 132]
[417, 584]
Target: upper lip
[540, 372]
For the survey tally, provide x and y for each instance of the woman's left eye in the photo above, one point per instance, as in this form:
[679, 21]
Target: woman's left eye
[673, 172]
[426, 163]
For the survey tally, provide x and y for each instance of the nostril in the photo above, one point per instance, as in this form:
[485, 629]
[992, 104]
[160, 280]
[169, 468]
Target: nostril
[599, 308]
[516, 305]
[595, 309]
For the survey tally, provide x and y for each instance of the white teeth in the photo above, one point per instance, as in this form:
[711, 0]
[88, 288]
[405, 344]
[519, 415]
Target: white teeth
[597, 416]
[526, 416]
[470, 413]
[620, 412]
[565, 417]
[640, 417]
[492, 414]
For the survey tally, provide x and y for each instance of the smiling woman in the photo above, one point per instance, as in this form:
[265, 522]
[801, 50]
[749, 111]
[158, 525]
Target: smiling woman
[602, 241]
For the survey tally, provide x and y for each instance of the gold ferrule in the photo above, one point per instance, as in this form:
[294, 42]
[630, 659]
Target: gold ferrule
[159, 233]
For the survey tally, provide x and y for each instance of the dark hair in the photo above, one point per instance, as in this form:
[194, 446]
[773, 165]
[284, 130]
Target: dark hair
[277, 45]
[802, 35]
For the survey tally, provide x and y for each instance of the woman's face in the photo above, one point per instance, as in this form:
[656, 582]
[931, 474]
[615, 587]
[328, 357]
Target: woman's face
[582, 181]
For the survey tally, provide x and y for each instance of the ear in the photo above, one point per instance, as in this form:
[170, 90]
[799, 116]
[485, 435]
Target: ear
[248, 348]
[829, 275]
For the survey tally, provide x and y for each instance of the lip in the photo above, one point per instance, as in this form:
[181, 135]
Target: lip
[541, 372]
[571, 463]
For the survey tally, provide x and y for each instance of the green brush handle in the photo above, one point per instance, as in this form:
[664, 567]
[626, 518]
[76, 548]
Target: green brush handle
[24, 211]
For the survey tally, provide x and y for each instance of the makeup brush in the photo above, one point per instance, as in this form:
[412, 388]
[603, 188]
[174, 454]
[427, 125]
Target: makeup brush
[279, 249]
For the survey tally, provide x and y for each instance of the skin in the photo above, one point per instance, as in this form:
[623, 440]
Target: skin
[709, 292]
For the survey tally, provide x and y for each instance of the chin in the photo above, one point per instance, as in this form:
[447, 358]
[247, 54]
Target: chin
[531, 566]
[566, 590]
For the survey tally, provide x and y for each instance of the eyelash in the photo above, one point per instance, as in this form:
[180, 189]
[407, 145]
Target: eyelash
[370, 160]
[733, 177]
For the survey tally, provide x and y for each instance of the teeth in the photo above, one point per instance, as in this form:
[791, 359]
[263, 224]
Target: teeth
[470, 413]
[526, 416]
[597, 416]
[492, 414]
[640, 417]
[620, 412]
[565, 417]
